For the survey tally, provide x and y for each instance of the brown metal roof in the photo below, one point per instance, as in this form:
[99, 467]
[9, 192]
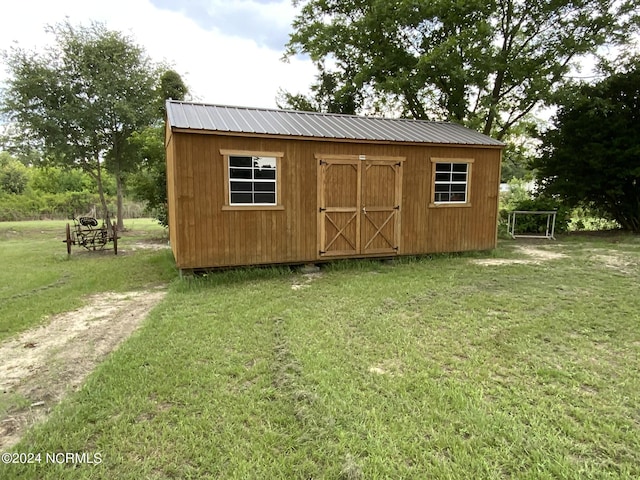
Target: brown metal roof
[200, 116]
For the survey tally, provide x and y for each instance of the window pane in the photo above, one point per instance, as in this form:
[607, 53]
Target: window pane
[265, 174]
[451, 181]
[264, 187]
[241, 198]
[252, 180]
[240, 173]
[240, 161]
[459, 177]
[240, 186]
[265, 198]
[264, 162]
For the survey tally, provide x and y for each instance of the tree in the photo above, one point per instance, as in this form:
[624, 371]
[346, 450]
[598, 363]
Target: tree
[80, 100]
[328, 95]
[485, 63]
[149, 182]
[58, 180]
[13, 175]
[592, 156]
[171, 87]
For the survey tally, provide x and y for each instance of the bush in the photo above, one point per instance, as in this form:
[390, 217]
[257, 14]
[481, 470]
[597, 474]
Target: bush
[18, 207]
[519, 190]
[13, 175]
[538, 223]
[58, 180]
[585, 219]
[31, 206]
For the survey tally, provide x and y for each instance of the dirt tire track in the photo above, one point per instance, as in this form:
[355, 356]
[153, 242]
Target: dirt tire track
[46, 362]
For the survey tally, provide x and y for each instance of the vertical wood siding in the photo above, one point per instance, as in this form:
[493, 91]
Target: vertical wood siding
[204, 235]
[172, 204]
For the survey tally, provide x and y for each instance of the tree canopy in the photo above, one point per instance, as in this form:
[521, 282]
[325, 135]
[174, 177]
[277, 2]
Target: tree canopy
[79, 101]
[592, 156]
[485, 63]
[149, 183]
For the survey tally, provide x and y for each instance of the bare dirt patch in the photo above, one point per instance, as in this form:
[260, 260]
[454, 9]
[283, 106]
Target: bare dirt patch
[40, 365]
[534, 255]
[152, 244]
[305, 281]
[390, 367]
[503, 261]
[541, 253]
[615, 261]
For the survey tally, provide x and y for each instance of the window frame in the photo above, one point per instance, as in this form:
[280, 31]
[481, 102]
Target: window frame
[467, 201]
[227, 205]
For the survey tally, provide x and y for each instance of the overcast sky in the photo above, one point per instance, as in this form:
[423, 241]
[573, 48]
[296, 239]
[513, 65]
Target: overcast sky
[227, 51]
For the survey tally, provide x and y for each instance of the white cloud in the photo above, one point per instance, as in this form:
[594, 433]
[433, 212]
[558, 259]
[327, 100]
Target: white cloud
[265, 22]
[217, 67]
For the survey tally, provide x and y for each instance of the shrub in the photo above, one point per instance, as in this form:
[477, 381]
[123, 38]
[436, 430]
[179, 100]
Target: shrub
[32, 206]
[538, 223]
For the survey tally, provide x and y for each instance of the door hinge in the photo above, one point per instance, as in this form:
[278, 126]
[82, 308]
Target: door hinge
[322, 162]
[321, 209]
[399, 164]
[396, 248]
[322, 252]
[397, 207]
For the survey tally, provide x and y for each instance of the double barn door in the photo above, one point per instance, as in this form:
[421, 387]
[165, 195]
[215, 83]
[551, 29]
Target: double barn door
[359, 205]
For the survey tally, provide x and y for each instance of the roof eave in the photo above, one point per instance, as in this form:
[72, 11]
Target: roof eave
[331, 139]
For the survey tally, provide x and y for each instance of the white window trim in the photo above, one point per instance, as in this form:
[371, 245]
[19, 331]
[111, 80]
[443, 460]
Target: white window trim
[227, 205]
[451, 203]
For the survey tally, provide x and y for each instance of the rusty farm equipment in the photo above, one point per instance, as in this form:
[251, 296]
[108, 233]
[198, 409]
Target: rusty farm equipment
[86, 233]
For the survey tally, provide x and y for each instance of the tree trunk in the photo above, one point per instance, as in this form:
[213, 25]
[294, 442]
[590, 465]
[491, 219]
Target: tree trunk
[118, 140]
[103, 200]
[495, 100]
[119, 206]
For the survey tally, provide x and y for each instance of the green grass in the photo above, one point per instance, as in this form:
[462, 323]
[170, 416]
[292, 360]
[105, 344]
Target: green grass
[427, 368]
[38, 279]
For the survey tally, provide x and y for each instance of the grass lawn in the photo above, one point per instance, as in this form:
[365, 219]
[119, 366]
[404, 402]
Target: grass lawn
[520, 363]
[38, 278]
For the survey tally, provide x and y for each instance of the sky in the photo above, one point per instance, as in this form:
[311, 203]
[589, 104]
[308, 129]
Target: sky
[228, 52]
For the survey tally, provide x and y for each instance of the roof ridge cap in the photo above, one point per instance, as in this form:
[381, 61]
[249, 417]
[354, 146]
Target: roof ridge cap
[306, 112]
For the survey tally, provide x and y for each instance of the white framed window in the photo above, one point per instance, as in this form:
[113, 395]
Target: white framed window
[252, 179]
[451, 181]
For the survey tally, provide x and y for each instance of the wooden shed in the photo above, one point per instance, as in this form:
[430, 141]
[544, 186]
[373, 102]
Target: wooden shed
[250, 186]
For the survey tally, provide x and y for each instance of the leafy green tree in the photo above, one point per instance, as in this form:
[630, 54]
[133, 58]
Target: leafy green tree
[149, 182]
[485, 63]
[171, 87]
[592, 156]
[80, 100]
[329, 95]
[290, 101]
[13, 175]
[59, 180]
[521, 147]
